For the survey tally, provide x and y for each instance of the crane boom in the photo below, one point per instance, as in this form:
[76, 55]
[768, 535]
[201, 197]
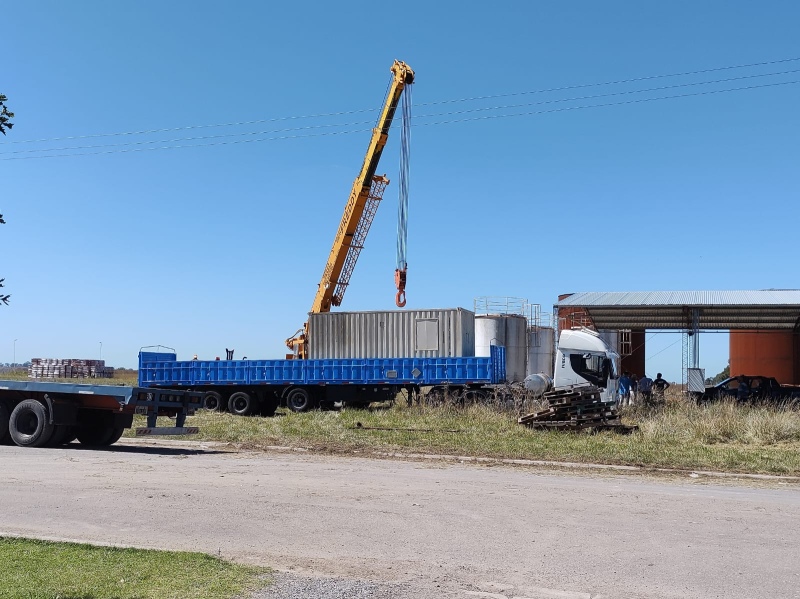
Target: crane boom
[359, 212]
[365, 195]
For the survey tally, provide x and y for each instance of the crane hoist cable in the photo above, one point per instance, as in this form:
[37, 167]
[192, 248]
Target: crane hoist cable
[402, 209]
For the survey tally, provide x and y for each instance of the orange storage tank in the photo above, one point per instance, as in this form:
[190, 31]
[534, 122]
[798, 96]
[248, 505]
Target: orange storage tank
[767, 353]
[569, 317]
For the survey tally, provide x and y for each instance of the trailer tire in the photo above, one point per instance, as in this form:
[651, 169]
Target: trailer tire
[115, 436]
[241, 404]
[299, 400]
[60, 433]
[5, 415]
[95, 436]
[29, 424]
[212, 401]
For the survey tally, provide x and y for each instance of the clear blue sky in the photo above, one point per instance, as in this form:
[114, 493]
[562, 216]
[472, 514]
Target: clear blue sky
[203, 248]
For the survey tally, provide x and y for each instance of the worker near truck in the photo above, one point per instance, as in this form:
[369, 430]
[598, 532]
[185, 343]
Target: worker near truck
[645, 389]
[659, 387]
[624, 389]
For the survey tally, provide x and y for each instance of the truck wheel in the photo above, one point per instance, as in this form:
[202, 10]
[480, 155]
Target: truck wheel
[29, 424]
[299, 400]
[5, 414]
[212, 401]
[95, 436]
[241, 404]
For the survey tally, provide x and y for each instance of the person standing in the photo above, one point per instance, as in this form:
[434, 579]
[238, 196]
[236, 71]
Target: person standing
[659, 386]
[645, 389]
[624, 389]
[743, 390]
[634, 389]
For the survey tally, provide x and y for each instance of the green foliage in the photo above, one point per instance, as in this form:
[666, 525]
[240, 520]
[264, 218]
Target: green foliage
[5, 123]
[5, 117]
[31, 569]
[718, 378]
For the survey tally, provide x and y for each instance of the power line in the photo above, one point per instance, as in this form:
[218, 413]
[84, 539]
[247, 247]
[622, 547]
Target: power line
[417, 117]
[447, 122]
[363, 110]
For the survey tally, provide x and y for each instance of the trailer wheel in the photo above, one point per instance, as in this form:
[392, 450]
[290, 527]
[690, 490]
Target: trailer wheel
[212, 401]
[95, 436]
[5, 414]
[299, 400]
[60, 432]
[241, 404]
[29, 424]
[115, 435]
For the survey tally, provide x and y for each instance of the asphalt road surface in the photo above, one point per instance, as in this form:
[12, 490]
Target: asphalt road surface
[416, 529]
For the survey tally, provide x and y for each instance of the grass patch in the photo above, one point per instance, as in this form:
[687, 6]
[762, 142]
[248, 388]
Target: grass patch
[31, 569]
[722, 436]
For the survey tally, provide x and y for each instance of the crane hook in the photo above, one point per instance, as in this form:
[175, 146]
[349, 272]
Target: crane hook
[400, 283]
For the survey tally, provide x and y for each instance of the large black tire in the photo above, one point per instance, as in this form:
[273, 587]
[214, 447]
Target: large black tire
[95, 436]
[269, 406]
[60, 433]
[115, 436]
[212, 401]
[29, 424]
[241, 404]
[299, 400]
[5, 414]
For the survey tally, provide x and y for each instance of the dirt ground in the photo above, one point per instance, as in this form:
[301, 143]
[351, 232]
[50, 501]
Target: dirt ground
[424, 528]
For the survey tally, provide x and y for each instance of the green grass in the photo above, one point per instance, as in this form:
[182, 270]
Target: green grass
[724, 436]
[31, 569]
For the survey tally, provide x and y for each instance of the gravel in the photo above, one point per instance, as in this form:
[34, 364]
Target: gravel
[292, 586]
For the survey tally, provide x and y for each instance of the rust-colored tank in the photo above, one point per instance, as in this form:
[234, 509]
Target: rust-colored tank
[768, 353]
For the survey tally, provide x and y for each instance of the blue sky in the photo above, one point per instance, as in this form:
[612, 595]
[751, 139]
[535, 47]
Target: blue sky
[208, 245]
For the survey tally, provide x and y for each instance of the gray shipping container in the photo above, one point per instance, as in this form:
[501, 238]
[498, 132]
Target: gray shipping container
[392, 334]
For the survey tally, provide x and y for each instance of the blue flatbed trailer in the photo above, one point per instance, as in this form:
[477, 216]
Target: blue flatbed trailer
[38, 414]
[260, 386]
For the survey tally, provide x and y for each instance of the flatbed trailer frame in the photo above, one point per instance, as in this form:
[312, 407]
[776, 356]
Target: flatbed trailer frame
[37, 414]
[259, 386]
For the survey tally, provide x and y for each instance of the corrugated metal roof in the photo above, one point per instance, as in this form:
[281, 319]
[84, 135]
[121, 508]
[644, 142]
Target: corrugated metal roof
[764, 309]
[765, 297]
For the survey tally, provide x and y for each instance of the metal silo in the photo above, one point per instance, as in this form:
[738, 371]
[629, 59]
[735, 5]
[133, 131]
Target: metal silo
[508, 330]
[490, 329]
[541, 348]
[766, 353]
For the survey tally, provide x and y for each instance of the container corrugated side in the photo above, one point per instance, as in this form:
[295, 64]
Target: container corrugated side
[433, 333]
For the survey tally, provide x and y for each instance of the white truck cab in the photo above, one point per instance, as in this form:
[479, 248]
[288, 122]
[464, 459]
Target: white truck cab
[583, 357]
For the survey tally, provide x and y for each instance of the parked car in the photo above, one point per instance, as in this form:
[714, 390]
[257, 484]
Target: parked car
[760, 388]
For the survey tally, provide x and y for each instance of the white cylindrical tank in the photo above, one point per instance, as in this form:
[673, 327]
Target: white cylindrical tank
[541, 348]
[516, 347]
[611, 337]
[508, 330]
[489, 330]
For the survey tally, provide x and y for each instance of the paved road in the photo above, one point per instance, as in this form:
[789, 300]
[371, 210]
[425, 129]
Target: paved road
[441, 530]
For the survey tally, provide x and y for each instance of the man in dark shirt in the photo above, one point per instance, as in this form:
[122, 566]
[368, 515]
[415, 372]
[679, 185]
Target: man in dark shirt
[659, 386]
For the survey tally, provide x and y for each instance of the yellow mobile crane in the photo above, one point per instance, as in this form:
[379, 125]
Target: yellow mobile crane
[365, 195]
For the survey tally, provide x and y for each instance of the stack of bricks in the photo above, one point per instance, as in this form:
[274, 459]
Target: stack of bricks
[56, 368]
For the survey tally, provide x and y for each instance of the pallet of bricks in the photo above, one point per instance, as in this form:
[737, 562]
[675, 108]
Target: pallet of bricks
[576, 408]
[57, 368]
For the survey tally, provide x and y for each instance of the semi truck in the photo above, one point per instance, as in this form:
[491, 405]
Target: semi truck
[48, 414]
[247, 387]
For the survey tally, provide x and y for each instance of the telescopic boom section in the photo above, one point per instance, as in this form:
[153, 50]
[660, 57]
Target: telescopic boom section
[365, 195]
[361, 206]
